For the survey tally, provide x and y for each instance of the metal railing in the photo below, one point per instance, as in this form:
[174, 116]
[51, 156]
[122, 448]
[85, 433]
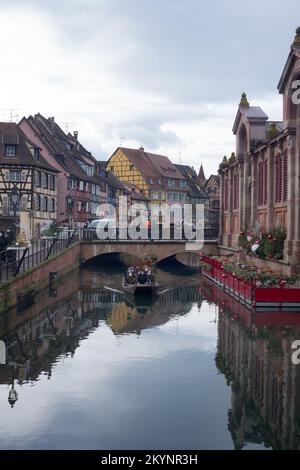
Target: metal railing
[210, 235]
[18, 259]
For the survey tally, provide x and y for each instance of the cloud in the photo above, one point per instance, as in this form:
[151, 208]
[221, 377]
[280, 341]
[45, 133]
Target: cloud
[167, 75]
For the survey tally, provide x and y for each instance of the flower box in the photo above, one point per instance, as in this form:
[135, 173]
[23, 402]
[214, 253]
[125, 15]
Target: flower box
[247, 291]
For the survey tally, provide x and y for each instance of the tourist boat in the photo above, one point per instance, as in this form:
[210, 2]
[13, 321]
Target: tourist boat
[140, 285]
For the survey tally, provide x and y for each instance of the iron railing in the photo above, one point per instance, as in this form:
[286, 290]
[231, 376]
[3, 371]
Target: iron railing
[18, 259]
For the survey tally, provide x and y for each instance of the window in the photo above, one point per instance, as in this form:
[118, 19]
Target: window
[131, 167]
[155, 195]
[73, 184]
[151, 180]
[44, 180]
[51, 204]
[159, 181]
[10, 150]
[36, 153]
[14, 206]
[260, 184]
[37, 178]
[182, 196]
[170, 182]
[226, 195]
[236, 197]
[44, 203]
[183, 184]
[52, 182]
[15, 176]
[81, 185]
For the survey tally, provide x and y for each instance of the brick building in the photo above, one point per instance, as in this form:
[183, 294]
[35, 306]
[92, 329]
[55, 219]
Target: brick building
[260, 182]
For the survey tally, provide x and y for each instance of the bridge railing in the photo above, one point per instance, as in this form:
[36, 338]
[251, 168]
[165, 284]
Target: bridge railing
[91, 234]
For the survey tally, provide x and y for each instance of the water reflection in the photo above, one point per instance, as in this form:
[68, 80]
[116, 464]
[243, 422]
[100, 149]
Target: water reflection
[192, 369]
[254, 354]
[35, 340]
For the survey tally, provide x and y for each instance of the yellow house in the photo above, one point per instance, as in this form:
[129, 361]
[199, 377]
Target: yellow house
[130, 166]
[155, 175]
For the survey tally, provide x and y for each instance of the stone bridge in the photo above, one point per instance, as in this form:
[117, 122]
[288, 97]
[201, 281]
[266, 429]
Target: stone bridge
[158, 250]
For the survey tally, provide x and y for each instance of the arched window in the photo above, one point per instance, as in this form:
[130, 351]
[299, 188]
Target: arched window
[236, 190]
[226, 194]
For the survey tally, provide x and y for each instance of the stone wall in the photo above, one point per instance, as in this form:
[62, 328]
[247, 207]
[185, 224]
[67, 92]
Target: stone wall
[38, 277]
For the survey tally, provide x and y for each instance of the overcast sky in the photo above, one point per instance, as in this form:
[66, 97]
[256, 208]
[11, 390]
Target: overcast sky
[167, 74]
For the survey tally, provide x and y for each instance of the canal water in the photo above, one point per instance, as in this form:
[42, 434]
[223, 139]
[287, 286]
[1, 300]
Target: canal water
[93, 369]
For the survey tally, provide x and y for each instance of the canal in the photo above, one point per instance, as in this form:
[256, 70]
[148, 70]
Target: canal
[191, 370]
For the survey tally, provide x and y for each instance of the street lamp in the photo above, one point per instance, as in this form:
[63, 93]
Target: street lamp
[13, 394]
[14, 195]
[69, 208]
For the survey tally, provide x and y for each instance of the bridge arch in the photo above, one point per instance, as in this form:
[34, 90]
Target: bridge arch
[157, 250]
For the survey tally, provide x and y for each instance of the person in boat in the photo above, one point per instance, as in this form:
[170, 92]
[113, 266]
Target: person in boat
[131, 275]
[142, 276]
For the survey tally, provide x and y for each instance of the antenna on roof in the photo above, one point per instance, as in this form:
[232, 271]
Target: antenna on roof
[180, 156]
[66, 125]
[13, 116]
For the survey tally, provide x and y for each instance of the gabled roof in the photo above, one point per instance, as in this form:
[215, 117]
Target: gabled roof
[215, 177]
[114, 182]
[57, 142]
[135, 192]
[189, 174]
[251, 114]
[293, 56]
[154, 168]
[11, 134]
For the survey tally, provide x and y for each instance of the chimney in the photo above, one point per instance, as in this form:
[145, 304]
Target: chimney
[76, 135]
[141, 149]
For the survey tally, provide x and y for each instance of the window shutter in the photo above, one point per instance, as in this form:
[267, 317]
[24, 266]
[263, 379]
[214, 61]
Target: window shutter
[278, 179]
[265, 182]
[285, 177]
[226, 195]
[260, 183]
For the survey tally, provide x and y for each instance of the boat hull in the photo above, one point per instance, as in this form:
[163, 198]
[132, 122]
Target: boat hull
[141, 289]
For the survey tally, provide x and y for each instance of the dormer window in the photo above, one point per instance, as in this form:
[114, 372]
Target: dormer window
[36, 153]
[10, 150]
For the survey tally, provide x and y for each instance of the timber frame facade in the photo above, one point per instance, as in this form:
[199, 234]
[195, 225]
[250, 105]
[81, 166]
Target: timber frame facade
[28, 194]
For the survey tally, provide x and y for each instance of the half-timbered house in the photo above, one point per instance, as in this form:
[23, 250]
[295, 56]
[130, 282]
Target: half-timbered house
[28, 189]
